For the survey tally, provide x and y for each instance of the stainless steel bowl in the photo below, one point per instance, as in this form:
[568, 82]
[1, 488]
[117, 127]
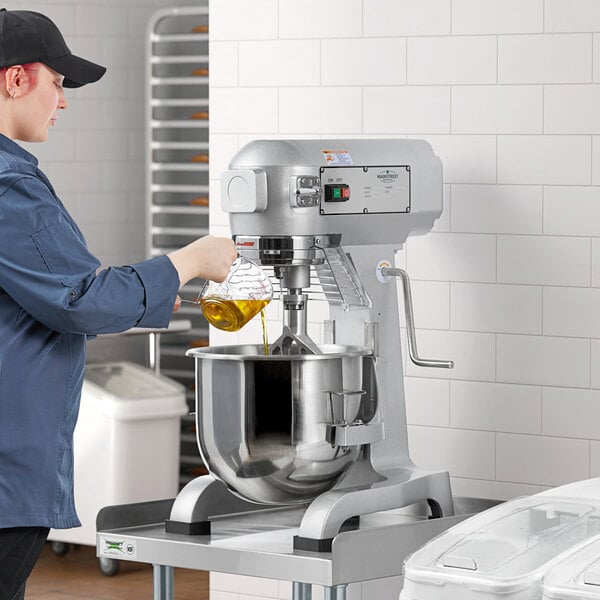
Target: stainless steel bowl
[261, 421]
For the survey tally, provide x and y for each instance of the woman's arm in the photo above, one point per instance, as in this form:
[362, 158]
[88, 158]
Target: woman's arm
[208, 257]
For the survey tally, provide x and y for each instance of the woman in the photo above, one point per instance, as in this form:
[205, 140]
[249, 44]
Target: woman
[52, 298]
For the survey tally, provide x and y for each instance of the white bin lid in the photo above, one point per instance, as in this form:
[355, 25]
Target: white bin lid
[577, 576]
[504, 550]
[588, 490]
[127, 391]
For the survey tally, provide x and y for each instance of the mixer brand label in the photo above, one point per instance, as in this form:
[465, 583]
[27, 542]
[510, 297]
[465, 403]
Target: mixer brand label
[115, 547]
[337, 157]
[387, 176]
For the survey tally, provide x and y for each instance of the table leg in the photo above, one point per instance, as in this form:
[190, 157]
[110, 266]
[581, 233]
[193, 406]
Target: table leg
[301, 591]
[337, 592]
[163, 582]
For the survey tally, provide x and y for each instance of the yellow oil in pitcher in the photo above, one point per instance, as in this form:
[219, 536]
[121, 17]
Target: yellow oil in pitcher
[230, 315]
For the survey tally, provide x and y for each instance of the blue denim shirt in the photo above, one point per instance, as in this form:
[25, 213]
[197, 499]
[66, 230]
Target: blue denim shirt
[51, 298]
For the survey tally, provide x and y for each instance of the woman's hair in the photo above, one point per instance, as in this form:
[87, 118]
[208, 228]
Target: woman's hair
[31, 71]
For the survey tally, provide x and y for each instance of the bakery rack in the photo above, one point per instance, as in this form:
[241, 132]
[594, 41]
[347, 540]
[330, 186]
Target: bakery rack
[177, 179]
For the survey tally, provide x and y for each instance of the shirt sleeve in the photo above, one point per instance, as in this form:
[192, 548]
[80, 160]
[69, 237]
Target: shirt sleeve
[46, 267]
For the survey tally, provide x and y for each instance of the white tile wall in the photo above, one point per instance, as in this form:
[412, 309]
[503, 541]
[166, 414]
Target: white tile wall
[497, 109]
[506, 92]
[571, 312]
[223, 65]
[548, 460]
[594, 459]
[466, 158]
[330, 110]
[451, 256]
[595, 364]
[478, 17]
[571, 109]
[571, 413]
[494, 490]
[358, 61]
[424, 109]
[306, 19]
[240, 20]
[596, 60]
[400, 18]
[548, 58]
[490, 307]
[544, 159]
[279, 63]
[543, 360]
[570, 15]
[596, 151]
[427, 401]
[497, 209]
[571, 210]
[243, 109]
[595, 262]
[452, 60]
[466, 453]
[495, 407]
[543, 260]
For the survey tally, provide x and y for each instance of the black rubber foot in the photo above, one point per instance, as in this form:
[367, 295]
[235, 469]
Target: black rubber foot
[312, 545]
[198, 528]
[324, 545]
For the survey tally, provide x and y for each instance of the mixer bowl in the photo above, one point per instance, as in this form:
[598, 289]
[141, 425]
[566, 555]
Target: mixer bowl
[261, 421]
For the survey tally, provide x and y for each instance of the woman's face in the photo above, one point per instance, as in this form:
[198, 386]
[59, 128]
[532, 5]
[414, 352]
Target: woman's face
[38, 107]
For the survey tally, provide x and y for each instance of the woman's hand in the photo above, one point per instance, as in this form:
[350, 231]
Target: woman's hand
[207, 257]
[177, 304]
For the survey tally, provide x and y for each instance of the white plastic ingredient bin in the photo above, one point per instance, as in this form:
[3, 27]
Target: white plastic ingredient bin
[505, 552]
[576, 577]
[126, 442]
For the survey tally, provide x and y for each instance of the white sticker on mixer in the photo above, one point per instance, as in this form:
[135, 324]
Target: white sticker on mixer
[337, 157]
[117, 548]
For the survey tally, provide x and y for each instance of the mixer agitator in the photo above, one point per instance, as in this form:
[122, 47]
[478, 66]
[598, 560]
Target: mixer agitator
[317, 423]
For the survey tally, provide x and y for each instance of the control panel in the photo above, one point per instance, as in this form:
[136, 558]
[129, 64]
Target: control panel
[365, 189]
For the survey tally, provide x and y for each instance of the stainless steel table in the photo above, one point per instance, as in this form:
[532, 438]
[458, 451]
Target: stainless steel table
[260, 544]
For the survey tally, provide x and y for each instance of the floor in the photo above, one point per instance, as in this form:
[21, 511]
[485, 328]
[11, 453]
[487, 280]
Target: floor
[76, 576]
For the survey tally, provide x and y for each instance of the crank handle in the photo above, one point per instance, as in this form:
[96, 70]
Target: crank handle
[410, 323]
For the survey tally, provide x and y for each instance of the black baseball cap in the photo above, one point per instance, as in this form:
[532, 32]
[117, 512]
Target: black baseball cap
[27, 37]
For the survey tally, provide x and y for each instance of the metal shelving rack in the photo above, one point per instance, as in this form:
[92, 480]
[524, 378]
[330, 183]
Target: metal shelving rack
[177, 179]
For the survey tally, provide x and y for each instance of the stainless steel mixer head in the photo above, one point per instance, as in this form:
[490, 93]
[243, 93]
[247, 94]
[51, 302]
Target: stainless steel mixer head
[374, 192]
[289, 202]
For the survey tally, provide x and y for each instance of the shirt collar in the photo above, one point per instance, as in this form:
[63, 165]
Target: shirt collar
[8, 145]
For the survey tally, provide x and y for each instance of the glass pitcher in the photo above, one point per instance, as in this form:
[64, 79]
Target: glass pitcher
[229, 305]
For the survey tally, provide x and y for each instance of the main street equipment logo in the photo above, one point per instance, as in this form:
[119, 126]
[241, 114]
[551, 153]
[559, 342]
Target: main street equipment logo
[387, 176]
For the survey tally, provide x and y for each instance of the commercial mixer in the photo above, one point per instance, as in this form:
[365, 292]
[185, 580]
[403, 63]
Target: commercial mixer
[309, 422]
[306, 444]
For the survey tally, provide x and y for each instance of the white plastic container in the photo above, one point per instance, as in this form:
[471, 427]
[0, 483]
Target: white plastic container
[505, 551]
[126, 442]
[575, 577]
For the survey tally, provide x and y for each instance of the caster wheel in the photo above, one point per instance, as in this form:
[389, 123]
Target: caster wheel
[59, 548]
[108, 566]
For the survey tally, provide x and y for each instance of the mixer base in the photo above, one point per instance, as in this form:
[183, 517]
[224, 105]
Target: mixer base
[394, 488]
[200, 499]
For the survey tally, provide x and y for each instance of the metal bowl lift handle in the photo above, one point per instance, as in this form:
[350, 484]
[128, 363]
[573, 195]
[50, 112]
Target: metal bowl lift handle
[410, 323]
